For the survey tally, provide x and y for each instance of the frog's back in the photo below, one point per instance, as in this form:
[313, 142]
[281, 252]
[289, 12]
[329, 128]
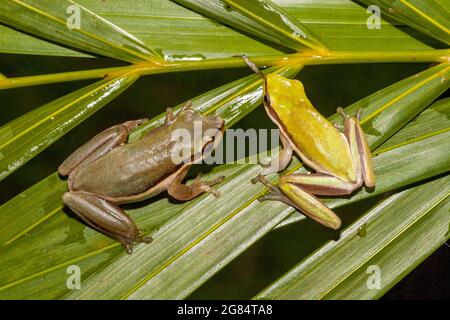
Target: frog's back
[314, 136]
[129, 169]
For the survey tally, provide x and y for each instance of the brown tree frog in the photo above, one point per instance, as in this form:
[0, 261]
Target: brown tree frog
[107, 171]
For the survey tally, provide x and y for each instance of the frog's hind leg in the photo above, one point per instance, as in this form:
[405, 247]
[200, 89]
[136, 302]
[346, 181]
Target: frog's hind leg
[320, 184]
[105, 217]
[299, 197]
[359, 147]
[274, 194]
[184, 192]
[98, 146]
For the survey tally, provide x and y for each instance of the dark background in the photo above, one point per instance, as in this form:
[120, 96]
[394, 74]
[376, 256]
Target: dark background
[327, 87]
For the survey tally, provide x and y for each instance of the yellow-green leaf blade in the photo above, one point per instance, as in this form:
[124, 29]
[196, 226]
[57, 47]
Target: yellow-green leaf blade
[431, 17]
[181, 34]
[400, 102]
[261, 18]
[69, 23]
[396, 236]
[26, 136]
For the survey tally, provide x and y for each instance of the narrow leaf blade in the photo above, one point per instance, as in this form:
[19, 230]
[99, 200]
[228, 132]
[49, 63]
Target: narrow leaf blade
[69, 23]
[181, 34]
[430, 17]
[261, 18]
[28, 135]
[393, 237]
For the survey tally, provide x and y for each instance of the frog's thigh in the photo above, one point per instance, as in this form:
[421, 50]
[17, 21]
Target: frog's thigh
[320, 184]
[184, 192]
[359, 148]
[365, 157]
[98, 146]
[311, 206]
[280, 162]
[104, 217]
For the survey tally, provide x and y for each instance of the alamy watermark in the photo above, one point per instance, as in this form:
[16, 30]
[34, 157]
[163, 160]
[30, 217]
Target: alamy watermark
[374, 20]
[73, 21]
[73, 281]
[240, 146]
[373, 281]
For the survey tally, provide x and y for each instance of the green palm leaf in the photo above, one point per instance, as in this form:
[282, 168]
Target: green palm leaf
[210, 232]
[69, 23]
[196, 239]
[180, 34]
[262, 19]
[430, 17]
[392, 238]
[433, 120]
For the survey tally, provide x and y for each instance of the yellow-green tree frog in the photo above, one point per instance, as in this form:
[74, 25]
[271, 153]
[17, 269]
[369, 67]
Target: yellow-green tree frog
[342, 160]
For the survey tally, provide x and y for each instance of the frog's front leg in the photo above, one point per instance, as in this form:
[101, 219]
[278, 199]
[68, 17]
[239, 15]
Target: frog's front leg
[98, 146]
[184, 192]
[105, 217]
[171, 117]
[281, 161]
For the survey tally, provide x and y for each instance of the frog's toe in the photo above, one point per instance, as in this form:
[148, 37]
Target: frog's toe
[215, 193]
[216, 180]
[265, 163]
[129, 248]
[338, 126]
[147, 239]
[265, 182]
[140, 238]
[144, 239]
